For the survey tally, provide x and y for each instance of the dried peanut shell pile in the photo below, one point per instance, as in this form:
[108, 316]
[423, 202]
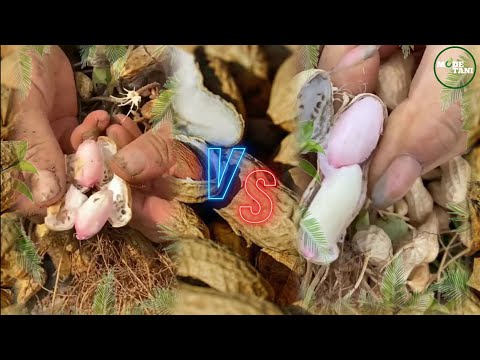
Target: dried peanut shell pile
[205, 256]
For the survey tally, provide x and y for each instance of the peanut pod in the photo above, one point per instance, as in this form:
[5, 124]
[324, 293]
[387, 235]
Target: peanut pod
[336, 201]
[394, 79]
[276, 233]
[220, 268]
[453, 186]
[198, 112]
[375, 243]
[194, 300]
[420, 202]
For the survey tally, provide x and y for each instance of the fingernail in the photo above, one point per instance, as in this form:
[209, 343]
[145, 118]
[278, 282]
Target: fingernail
[45, 186]
[356, 55]
[395, 181]
[132, 161]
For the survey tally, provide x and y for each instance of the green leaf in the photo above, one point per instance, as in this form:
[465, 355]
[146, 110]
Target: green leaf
[394, 227]
[162, 103]
[344, 306]
[101, 76]
[362, 221]
[22, 188]
[22, 73]
[468, 113]
[314, 240]
[167, 233]
[309, 55]
[369, 304]
[20, 149]
[162, 302]
[461, 215]
[393, 286]
[305, 131]
[159, 52]
[312, 146]
[41, 50]
[28, 257]
[117, 57]
[27, 166]
[453, 287]
[418, 302]
[104, 299]
[306, 166]
[86, 53]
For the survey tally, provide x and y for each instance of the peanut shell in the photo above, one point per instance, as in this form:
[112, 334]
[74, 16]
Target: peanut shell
[420, 202]
[394, 79]
[220, 268]
[278, 233]
[194, 300]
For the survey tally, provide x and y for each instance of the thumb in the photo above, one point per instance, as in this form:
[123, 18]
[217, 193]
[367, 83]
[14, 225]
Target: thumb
[146, 158]
[45, 154]
[155, 155]
[418, 137]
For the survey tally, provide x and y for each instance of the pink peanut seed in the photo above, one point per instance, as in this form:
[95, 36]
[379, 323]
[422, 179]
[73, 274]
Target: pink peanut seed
[356, 133]
[88, 164]
[93, 214]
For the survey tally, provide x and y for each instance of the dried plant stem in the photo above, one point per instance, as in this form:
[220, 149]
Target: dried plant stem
[317, 281]
[388, 213]
[360, 278]
[456, 257]
[306, 279]
[135, 276]
[444, 257]
[56, 282]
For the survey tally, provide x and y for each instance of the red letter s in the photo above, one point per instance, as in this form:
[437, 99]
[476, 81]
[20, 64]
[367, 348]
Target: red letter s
[264, 212]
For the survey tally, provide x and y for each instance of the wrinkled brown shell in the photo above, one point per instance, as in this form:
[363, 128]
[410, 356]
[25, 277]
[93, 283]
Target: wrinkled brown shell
[223, 234]
[249, 66]
[147, 110]
[187, 190]
[374, 242]
[10, 232]
[289, 150]
[277, 55]
[59, 245]
[6, 298]
[138, 60]
[300, 179]
[474, 281]
[220, 268]
[394, 79]
[285, 282]
[185, 222]
[419, 278]
[84, 85]
[293, 262]
[420, 202]
[13, 274]
[282, 91]
[9, 194]
[218, 79]
[194, 300]
[280, 231]
[474, 207]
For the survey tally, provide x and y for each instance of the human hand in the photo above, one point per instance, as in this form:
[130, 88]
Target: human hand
[45, 119]
[418, 135]
[146, 161]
